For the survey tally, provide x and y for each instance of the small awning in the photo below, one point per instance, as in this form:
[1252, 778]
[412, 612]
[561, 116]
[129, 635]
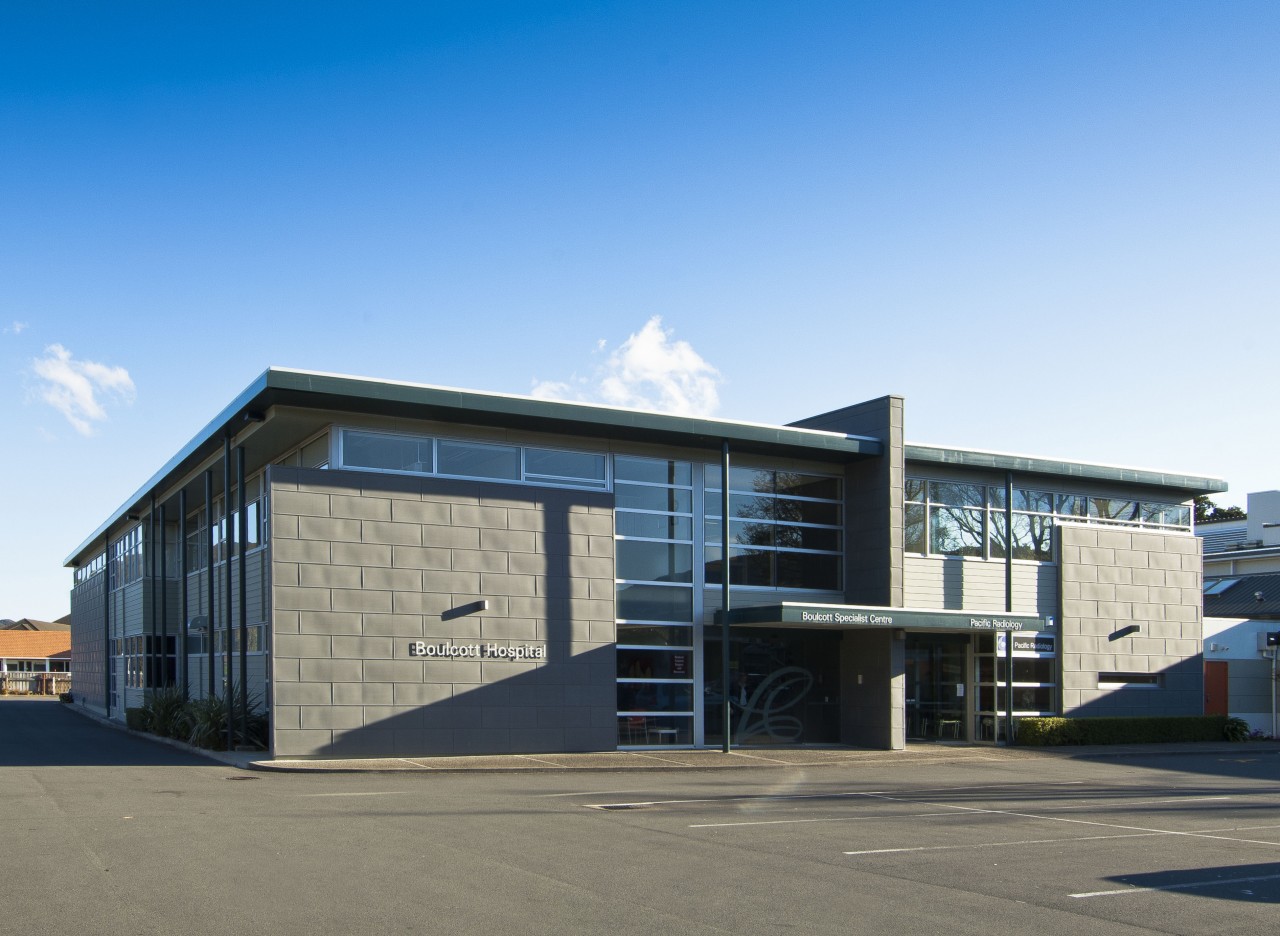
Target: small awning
[854, 617]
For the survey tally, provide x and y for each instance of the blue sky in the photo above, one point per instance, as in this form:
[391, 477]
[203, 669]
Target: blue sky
[1052, 227]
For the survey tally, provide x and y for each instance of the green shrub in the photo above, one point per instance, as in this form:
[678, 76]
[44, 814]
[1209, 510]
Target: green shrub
[206, 721]
[66, 697]
[137, 719]
[166, 712]
[1042, 732]
[1236, 729]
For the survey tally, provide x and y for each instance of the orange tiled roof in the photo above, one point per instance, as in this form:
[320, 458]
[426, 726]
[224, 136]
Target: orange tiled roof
[29, 645]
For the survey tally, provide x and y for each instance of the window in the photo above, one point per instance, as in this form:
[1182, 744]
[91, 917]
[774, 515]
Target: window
[785, 529]
[948, 518]
[126, 559]
[401, 453]
[1128, 680]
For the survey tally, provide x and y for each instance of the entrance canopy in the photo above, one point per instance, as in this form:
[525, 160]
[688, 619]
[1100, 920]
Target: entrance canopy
[854, 617]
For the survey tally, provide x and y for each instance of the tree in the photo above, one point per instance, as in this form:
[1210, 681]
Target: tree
[1207, 511]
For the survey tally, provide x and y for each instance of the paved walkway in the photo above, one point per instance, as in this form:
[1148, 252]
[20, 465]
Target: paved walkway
[682, 759]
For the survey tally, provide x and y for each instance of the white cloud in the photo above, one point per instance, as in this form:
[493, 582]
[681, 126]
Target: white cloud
[17, 328]
[76, 389]
[647, 371]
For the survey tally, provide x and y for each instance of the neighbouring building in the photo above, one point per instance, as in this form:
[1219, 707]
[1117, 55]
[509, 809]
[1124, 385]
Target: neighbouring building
[404, 570]
[1241, 607]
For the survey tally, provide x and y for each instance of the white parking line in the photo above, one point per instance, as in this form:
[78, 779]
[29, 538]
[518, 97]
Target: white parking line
[1174, 887]
[1052, 841]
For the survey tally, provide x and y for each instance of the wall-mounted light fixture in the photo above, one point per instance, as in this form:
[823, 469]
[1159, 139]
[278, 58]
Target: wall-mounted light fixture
[1126, 631]
[463, 610]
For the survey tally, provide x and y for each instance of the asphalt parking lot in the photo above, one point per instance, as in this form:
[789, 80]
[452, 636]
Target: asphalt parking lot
[110, 832]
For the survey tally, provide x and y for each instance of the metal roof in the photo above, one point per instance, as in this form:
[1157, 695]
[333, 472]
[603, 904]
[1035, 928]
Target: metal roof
[311, 389]
[1188, 485]
[1249, 596]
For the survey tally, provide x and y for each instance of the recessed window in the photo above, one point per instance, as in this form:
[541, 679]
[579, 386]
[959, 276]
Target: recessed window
[1128, 680]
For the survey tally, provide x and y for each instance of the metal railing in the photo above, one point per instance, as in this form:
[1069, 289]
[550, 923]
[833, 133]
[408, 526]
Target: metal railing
[34, 683]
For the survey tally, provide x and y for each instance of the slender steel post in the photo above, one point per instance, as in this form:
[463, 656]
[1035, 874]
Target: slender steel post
[724, 587]
[184, 599]
[106, 625]
[1008, 606]
[151, 677]
[211, 587]
[226, 560]
[244, 614]
[164, 599]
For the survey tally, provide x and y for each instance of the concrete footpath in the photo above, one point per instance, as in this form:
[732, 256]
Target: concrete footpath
[664, 759]
[914, 755]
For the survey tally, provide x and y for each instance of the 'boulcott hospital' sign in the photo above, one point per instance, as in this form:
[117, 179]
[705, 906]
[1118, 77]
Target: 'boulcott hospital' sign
[477, 651]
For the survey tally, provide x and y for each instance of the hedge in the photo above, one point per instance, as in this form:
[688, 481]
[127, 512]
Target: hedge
[1043, 732]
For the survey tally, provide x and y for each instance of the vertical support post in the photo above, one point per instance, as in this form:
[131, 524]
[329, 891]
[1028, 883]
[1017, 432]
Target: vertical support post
[210, 586]
[226, 594]
[1008, 606]
[164, 599]
[244, 613]
[106, 625]
[184, 599]
[150, 670]
[724, 589]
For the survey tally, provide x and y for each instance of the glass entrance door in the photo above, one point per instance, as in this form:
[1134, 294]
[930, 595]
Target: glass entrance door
[936, 686]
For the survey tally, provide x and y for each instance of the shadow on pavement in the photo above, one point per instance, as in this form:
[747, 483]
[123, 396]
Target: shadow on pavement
[39, 732]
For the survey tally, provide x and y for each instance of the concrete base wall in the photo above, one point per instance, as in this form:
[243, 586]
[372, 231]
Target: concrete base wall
[872, 696]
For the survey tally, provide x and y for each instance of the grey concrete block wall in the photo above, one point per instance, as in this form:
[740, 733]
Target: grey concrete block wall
[366, 565]
[1113, 579]
[873, 689]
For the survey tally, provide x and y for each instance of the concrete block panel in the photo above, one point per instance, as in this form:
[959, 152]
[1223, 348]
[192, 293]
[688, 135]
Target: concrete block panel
[326, 576]
[1079, 609]
[426, 603]
[392, 534]
[351, 599]
[1180, 649]
[515, 541]
[359, 508]
[329, 622]
[1169, 595]
[1194, 563]
[1115, 539]
[330, 529]
[450, 582]
[520, 629]
[302, 646]
[594, 524]
[361, 554]
[424, 743]
[1182, 580]
[408, 580]
[534, 521]
[1184, 545]
[525, 564]
[420, 512]
[299, 503]
[284, 669]
[319, 671]
[363, 648]
[303, 694]
[393, 625]
[1079, 573]
[463, 628]
[486, 518]
[300, 551]
[288, 598]
[286, 716]
[1069, 555]
[1132, 559]
[1167, 561]
[439, 671]
[451, 537]
[1121, 611]
[493, 583]
[1115, 575]
[392, 671]
[475, 560]
[394, 717]
[358, 693]
[592, 567]
[600, 546]
[1097, 556]
[420, 693]
[1144, 576]
[1097, 591]
[422, 557]
[1133, 593]
[301, 743]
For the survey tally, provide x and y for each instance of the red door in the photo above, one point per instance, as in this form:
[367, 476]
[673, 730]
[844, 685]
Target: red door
[1215, 687]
